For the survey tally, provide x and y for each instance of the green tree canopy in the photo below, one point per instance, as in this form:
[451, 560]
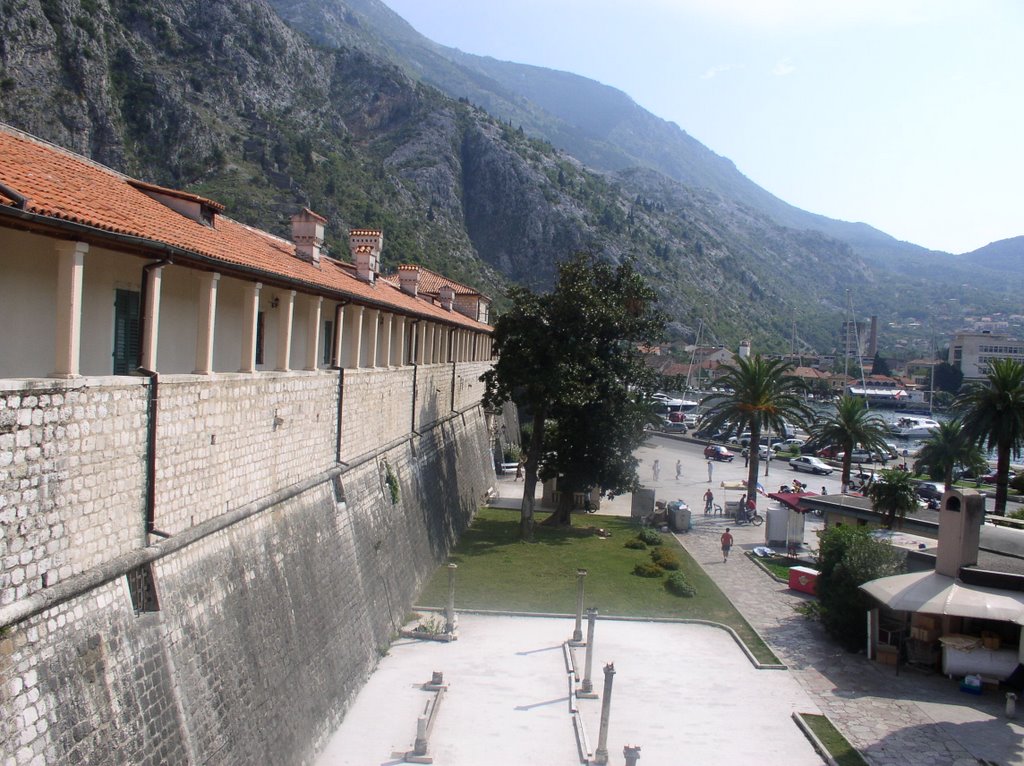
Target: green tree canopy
[948, 378]
[893, 495]
[848, 557]
[761, 394]
[993, 415]
[572, 358]
[851, 424]
[947, 449]
[879, 366]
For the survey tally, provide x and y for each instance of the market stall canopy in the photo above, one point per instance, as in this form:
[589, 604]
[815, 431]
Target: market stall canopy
[932, 593]
[791, 499]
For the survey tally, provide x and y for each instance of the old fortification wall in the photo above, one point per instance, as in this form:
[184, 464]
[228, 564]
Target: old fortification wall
[285, 573]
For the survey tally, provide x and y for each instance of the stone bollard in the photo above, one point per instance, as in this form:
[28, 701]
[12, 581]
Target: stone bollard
[449, 610]
[601, 754]
[632, 754]
[420, 746]
[1011, 705]
[587, 688]
[577, 634]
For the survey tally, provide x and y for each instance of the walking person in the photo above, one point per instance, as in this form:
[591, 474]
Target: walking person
[726, 545]
[711, 469]
[656, 470]
[679, 470]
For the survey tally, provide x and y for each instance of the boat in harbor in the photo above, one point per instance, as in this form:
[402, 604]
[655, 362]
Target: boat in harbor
[914, 426]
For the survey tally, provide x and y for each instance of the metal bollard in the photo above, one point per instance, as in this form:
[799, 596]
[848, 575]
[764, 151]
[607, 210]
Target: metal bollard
[632, 754]
[587, 688]
[577, 634]
[449, 611]
[1011, 705]
[601, 754]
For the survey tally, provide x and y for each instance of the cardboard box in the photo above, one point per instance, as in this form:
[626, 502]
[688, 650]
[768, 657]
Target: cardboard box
[886, 655]
[925, 634]
[926, 621]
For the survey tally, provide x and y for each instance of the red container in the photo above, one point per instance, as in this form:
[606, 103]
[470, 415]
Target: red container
[804, 579]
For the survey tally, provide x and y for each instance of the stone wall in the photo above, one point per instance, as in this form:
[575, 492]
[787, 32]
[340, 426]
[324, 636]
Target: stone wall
[265, 629]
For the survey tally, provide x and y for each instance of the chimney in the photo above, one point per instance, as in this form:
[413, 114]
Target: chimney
[447, 296]
[873, 337]
[745, 349]
[959, 531]
[409, 279]
[308, 235]
[365, 245]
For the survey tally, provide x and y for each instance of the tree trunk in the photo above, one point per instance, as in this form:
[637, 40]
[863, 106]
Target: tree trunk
[562, 516]
[530, 476]
[1002, 478]
[755, 442]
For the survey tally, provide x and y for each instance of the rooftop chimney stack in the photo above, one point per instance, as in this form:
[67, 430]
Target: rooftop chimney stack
[447, 297]
[365, 245]
[745, 349]
[960, 520]
[409, 279]
[308, 235]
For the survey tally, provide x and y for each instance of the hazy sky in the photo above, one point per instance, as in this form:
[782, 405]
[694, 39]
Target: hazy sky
[906, 115]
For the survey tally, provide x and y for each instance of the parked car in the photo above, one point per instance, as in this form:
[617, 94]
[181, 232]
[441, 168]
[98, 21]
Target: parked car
[930, 490]
[674, 427]
[860, 456]
[810, 464]
[829, 452]
[788, 445]
[990, 477]
[718, 452]
[742, 440]
[762, 452]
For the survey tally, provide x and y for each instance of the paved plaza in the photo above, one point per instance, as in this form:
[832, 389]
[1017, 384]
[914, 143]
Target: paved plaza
[684, 693]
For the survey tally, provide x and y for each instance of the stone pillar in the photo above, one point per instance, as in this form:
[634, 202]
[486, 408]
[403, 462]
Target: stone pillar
[339, 334]
[587, 687]
[601, 754]
[577, 633]
[631, 753]
[315, 304]
[385, 342]
[206, 322]
[372, 322]
[449, 611]
[249, 319]
[285, 317]
[355, 336]
[68, 341]
[151, 321]
[400, 358]
[421, 342]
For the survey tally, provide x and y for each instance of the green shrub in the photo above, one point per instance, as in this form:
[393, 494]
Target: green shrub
[665, 558]
[635, 544]
[1018, 514]
[1017, 483]
[647, 570]
[649, 536]
[677, 584]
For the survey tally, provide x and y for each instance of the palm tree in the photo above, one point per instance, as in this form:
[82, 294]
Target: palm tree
[893, 495]
[993, 415]
[947, 448]
[760, 393]
[851, 424]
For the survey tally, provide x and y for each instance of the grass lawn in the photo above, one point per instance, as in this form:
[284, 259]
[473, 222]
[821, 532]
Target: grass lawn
[778, 565]
[834, 742]
[497, 571]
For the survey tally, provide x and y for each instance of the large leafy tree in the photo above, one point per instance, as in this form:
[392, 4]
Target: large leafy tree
[893, 495]
[948, 378]
[572, 358]
[851, 424]
[761, 394]
[992, 411]
[946, 449]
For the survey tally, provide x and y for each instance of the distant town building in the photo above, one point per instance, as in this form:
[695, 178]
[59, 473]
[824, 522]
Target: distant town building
[972, 351]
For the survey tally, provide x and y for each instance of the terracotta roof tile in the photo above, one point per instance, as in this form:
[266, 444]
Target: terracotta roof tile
[431, 282]
[61, 185]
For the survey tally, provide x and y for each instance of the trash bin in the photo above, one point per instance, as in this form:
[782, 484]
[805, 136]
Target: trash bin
[679, 517]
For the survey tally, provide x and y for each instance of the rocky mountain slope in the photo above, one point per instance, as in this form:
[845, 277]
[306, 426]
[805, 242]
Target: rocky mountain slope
[225, 98]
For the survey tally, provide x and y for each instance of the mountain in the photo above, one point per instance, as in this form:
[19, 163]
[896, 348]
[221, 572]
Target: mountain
[228, 98]
[1005, 256]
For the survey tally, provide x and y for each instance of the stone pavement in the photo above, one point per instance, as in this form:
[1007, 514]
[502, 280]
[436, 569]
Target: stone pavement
[906, 719]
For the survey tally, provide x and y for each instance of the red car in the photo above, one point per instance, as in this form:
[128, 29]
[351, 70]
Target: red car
[716, 452]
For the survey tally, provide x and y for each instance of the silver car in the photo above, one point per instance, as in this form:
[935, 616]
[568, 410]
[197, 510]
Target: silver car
[810, 464]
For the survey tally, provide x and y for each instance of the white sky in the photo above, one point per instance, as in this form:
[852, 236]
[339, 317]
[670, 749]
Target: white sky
[905, 114]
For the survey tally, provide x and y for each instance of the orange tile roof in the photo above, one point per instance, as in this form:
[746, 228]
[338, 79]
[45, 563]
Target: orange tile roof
[431, 282]
[63, 186]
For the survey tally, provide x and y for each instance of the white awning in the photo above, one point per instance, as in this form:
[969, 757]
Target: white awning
[933, 593]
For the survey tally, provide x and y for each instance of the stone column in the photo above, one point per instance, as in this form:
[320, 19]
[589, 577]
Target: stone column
[372, 322]
[631, 753]
[249, 319]
[206, 323]
[385, 344]
[314, 306]
[151, 321]
[403, 324]
[421, 342]
[587, 687]
[339, 334]
[68, 342]
[355, 336]
[285, 317]
[577, 633]
[449, 612]
[601, 754]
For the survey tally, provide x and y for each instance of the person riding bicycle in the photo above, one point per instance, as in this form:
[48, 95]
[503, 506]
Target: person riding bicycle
[709, 501]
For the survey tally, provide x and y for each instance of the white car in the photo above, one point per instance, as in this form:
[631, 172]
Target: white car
[810, 464]
[788, 445]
